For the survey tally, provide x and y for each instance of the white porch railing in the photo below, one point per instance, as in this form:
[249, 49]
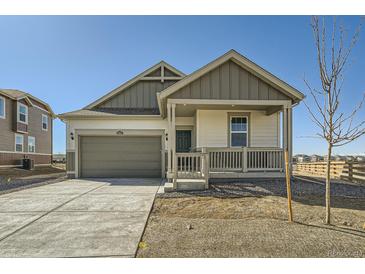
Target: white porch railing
[191, 165]
[198, 165]
[245, 159]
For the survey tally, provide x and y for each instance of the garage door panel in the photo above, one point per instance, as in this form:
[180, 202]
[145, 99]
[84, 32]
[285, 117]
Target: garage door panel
[104, 156]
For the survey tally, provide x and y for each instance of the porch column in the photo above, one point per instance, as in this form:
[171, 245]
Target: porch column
[173, 135]
[285, 132]
[290, 137]
[169, 137]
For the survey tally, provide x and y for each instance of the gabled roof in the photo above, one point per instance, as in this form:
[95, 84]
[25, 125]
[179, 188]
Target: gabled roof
[244, 63]
[142, 76]
[18, 95]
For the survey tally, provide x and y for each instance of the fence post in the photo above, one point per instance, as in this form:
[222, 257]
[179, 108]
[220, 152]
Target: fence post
[174, 178]
[205, 160]
[351, 169]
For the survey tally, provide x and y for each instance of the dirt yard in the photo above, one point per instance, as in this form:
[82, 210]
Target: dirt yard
[250, 220]
[17, 178]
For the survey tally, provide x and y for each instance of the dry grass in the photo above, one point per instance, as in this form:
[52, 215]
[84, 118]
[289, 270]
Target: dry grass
[208, 226]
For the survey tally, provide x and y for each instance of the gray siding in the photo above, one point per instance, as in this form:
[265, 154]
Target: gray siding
[140, 95]
[229, 82]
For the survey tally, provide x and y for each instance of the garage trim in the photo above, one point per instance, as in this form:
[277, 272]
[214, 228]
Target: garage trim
[117, 132]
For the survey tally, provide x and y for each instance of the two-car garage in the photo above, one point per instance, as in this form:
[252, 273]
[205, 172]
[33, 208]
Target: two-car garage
[120, 156]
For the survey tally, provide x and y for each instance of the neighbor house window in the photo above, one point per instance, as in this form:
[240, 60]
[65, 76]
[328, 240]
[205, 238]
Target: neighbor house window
[19, 143]
[31, 144]
[22, 113]
[2, 107]
[44, 122]
[239, 130]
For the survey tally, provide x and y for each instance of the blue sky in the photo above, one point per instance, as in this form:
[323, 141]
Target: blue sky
[71, 61]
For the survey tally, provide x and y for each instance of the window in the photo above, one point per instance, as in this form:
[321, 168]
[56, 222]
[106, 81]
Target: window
[239, 130]
[2, 107]
[31, 144]
[22, 113]
[44, 122]
[19, 141]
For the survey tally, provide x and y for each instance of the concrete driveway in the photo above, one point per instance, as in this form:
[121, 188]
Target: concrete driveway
[76, 218]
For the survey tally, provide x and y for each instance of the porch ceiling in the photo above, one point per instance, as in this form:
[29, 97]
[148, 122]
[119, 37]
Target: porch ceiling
[189, 110]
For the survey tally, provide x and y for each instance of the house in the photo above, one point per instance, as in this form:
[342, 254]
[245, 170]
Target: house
[316, 158]
[25, 129]
[221, 121]
[338, 158]
[302, 158]
[360, 158]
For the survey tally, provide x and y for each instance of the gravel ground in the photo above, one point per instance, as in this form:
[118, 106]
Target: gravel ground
[14, 179]
[250, 220]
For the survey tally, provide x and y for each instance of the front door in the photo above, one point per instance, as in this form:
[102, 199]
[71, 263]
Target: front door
[183, 140]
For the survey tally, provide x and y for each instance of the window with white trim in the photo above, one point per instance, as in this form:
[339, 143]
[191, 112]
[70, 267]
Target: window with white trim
[31, 144]
[44, 122]
[239, 131]
[22, 113]
[19, 143]
[2, 107]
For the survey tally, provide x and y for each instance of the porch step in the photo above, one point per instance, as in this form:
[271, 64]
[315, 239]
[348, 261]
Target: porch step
[190, 184]
[186, 184]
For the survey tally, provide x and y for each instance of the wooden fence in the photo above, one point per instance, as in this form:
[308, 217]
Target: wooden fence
[348, 171]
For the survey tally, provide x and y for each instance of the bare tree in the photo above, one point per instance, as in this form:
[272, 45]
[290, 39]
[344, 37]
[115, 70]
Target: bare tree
[335, 127]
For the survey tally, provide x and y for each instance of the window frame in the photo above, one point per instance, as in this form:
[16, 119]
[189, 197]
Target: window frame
[46, 116]
[31, 137]
[237, 115]
[4, 104]
[22, 136]
[26, 115]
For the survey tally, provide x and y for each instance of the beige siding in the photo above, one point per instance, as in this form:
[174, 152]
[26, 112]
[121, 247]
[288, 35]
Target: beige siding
[140, 95]
[212, 128]
[229, 82]
[70, 161]
[264, 130]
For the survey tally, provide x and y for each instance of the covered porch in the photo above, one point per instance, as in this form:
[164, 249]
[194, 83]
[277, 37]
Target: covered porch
[221, 147]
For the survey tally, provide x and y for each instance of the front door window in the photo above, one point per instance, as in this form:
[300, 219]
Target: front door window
[183, 140]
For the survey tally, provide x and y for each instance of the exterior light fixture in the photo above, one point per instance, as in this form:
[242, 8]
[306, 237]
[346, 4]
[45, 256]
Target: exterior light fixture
[72, 135]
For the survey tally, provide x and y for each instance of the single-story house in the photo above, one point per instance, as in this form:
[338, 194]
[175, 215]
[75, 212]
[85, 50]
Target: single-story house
[229, 119]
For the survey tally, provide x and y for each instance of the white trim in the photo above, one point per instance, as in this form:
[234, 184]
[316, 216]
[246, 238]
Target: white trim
[31, 137]
[286, 103]
[7, 166]
[31, 153]
[38, 107]
[19, 135]
[239, 131]
[4, 100]
[46, 116]
[18, 113]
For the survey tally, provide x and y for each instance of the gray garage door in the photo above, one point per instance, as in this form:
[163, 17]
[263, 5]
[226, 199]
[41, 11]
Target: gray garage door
[120, 157]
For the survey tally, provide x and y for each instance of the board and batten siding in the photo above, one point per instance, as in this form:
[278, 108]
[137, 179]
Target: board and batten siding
[229, 81]
[213, 128]
[140, 95]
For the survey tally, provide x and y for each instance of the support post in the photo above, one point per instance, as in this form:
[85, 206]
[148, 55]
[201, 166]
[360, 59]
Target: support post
[290, 139]
[288, 187]
[285, 131]
[169, 136]
[244, 159]
[173, 143]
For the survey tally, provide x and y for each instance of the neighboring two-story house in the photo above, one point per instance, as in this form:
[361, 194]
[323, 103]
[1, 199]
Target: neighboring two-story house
[25, 129]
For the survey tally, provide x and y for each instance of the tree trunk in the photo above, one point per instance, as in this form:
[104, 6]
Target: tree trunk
[328, 185]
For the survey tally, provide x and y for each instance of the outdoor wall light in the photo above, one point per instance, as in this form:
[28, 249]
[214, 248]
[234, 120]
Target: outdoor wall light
[72, 135]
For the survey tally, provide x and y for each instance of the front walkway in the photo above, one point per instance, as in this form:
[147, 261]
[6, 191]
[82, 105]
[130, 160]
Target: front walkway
[76, 218]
